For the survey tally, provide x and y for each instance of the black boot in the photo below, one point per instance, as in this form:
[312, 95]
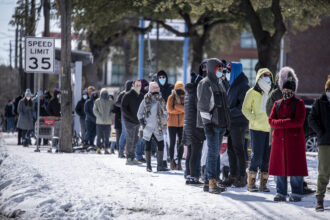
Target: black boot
[160, 161]
[148, 159]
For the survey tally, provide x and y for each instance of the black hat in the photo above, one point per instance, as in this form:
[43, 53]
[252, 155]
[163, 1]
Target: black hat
[290, 84]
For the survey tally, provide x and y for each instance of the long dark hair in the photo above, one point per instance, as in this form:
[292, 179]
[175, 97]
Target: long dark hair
[28, 102]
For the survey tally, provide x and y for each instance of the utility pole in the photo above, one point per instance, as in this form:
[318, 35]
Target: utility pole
[21, 72]
[46, 8]
[10, 54]
[16, 47]
[66, 92]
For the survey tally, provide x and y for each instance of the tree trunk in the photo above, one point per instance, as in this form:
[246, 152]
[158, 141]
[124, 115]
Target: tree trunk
[46, 8]
[269, 54]
[66, 92]
[197, 52]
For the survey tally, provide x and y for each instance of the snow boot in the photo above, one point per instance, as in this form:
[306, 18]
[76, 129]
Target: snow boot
[319, 206]
[240, 182]
[148, 159]
[178, 166]
[106, 151]
[263, 182]
[112, 151]
[173, 164]
[98, 150]
[279, 198]
[214, 188]
[165, 163]
[252, 175]
[307, 190]
[229, 181]
[160, 167]
[294, 198]
[132, 161]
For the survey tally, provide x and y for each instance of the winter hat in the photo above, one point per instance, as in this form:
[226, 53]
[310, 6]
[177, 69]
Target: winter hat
[153, 87]
[284, 74]
[85, 92]
[327, 84]
[128, 85]
[290, 84]
[179, 85]
[161, 73]
[203, 68]
[28, 92]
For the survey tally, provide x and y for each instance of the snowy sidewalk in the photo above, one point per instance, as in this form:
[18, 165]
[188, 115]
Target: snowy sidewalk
[91, 186]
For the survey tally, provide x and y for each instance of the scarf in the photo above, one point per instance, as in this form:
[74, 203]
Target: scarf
[161, 111]
[265, 87]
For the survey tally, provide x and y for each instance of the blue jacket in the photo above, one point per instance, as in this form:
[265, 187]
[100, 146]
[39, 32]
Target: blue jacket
[88, 108]
[236, 95]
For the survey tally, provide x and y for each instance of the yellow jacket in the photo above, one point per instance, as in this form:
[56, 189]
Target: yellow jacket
[251, 106]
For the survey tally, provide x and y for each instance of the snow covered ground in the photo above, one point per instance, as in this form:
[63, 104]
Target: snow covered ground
[90, 186]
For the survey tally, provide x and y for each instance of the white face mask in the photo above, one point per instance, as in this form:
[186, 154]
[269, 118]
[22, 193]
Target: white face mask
[28, 97]
[218, 74]
[85, 96]
[267, 79]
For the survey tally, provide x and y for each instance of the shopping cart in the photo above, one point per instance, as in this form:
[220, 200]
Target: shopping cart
[49, 128]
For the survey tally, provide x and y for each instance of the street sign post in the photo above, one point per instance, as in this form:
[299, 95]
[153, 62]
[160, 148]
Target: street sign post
[39, 58]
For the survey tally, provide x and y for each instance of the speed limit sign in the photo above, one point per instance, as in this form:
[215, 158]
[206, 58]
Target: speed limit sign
[39, 54]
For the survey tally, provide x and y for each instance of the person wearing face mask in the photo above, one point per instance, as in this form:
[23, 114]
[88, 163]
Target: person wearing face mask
[25, 118]
[152, 116]
[213, 116]
[80, 111]
[54, 106]
[102, 110]
[129, 108]
[175, 108]
[254, 109]
[319, 120]
[165, 87]
[90, 121]
[288, 153]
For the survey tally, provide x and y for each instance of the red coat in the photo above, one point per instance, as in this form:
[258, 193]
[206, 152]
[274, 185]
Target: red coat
[288, 153]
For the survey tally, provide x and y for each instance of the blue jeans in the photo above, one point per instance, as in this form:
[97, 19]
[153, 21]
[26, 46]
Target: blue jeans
[10, 123]
[296, 185]
[90, 132]
[103, 132]
[122, 139]
[260, 151]
[139, 149]
[213, 154]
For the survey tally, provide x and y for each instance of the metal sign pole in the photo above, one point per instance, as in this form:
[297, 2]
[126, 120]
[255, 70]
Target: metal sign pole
[38, 115]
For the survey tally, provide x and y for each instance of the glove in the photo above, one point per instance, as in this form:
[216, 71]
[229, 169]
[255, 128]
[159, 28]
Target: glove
[209, 130]
[142, 123]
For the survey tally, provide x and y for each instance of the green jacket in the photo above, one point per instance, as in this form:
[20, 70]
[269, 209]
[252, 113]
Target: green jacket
[103, 110]
[251, 106]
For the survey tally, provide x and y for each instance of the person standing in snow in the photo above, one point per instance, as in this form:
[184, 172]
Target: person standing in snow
[152, 116]
[193, 137]
[25, 118]
[80, 111]
[90, 120]
[54, 106]
[175, 108]
[319, 120]
[288, 153]
[10, 116]
[102, 110]
[238, 86]
[254, 109]
[213, 116]
[129, 107]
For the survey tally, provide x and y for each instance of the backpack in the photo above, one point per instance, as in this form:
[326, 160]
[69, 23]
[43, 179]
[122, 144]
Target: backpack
[293, 106]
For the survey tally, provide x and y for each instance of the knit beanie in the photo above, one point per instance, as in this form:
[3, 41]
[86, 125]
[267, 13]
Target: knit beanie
[290, 84]
[327, 84]
[153, 87]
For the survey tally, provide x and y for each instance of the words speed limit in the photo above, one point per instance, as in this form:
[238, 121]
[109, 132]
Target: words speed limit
[39, 54]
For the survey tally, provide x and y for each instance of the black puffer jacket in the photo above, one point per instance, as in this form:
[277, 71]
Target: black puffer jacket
[190, 131]
[236, 95]
[54, 106]
[80, 108]
[319, 120]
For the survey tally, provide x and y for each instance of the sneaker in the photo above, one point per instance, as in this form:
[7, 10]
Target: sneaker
[279, 198]
[206, 188]
[112, 151]
[319, 206]
[142, 160]
[307, 191]
[294, 198]
[131, 161]
[195, 181]
[98, 150]
[106, 151]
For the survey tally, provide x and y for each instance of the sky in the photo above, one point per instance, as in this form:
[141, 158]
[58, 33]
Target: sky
[7, 32]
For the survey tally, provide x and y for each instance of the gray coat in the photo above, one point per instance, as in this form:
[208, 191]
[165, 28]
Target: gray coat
[151, 122]
[25, 118]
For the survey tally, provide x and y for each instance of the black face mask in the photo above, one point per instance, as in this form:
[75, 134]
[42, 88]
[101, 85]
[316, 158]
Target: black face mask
[154, 93]
[180, 92]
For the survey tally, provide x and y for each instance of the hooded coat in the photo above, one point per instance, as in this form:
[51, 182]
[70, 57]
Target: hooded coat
[88, 108]
[130, 106]
[175, 109]
[252, 103]
[319, 120]
[103, 109]
[239, 85]
[25, 112]
[288, 152]
[165, 89]
[54, 106]
[212, 105]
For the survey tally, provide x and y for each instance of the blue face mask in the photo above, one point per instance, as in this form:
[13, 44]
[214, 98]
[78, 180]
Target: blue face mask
[104, 96]
[85, 97]
[162, 81]
[218, 74]
[147, 89]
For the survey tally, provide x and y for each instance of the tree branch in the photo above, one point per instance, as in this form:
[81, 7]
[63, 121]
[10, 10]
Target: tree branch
[142, 30]
[279, 25]
[170, 28]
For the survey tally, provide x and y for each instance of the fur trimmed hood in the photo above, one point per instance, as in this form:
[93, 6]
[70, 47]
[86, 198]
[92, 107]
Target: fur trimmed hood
[283, 76]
